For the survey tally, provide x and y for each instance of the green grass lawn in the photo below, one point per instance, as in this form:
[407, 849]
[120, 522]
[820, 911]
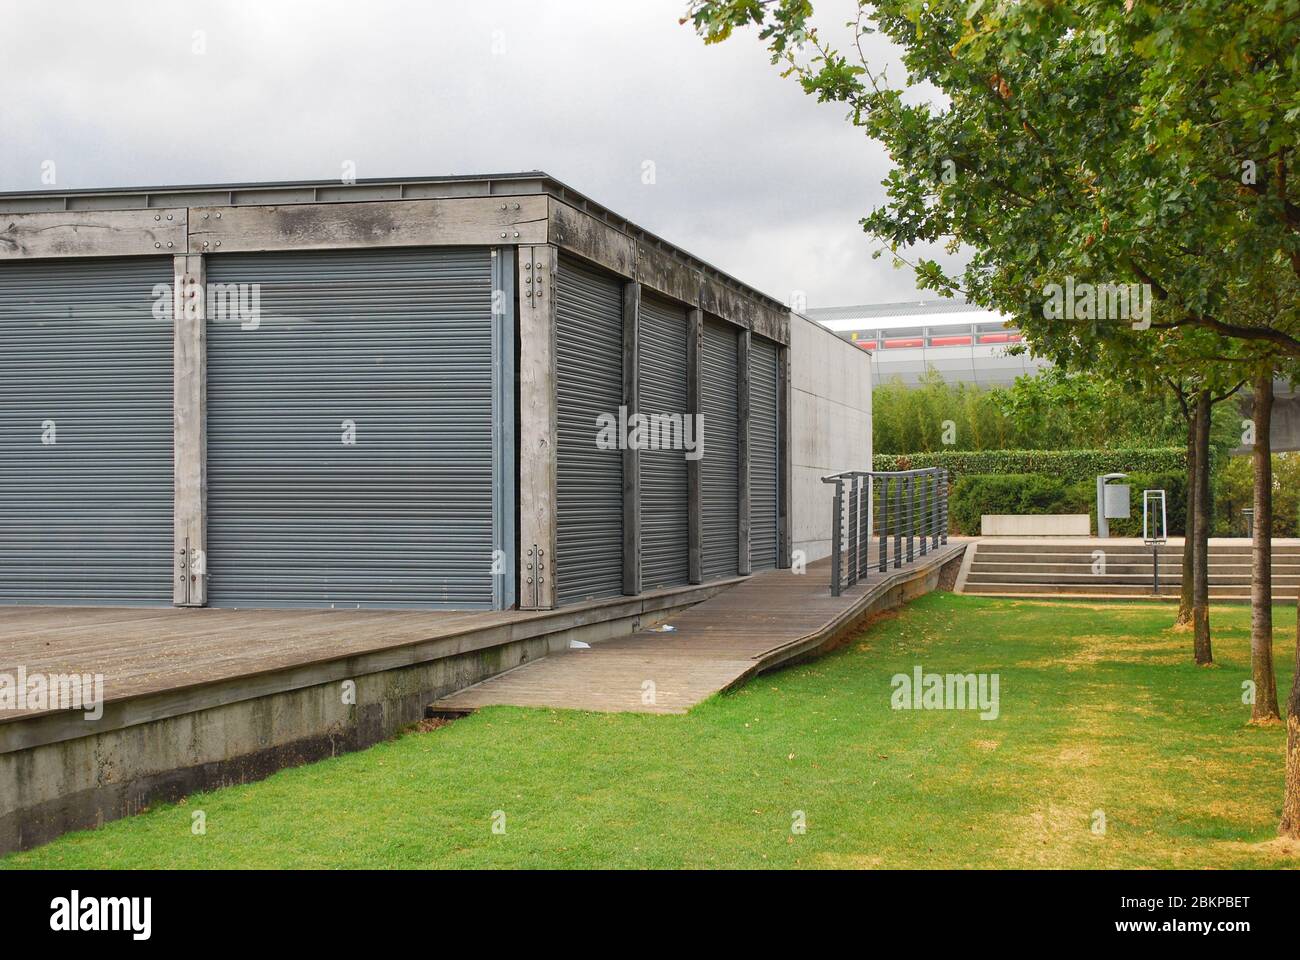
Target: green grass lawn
[1101, 709]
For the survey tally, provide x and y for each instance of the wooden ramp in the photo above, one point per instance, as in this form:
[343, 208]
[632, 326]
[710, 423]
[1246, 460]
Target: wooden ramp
[714, 645]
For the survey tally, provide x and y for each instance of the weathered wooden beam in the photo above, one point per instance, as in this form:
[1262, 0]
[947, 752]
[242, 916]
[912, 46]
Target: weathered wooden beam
[189, 419]
[470, 221]
[92, 233]
[631, 454]
[694, 488]
[590, 238]
[769, 322]
[537, 427]
[785, 473]
[582, 234]
[744, 566]
[667, 275]
[729, 304]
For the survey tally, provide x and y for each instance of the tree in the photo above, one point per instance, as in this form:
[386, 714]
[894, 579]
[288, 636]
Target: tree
[1261, 560]
[1093, 145]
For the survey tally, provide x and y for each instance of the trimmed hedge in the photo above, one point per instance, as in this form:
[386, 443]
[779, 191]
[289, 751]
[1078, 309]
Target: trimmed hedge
[1071, 465]
[974, 495]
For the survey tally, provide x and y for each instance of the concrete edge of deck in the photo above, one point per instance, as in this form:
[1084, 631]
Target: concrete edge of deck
[60, 772]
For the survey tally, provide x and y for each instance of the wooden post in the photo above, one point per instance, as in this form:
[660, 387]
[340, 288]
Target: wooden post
[189, 423]
[537, 430]
[694, 489]
[631, 455]
[744, 567]
[785, 475]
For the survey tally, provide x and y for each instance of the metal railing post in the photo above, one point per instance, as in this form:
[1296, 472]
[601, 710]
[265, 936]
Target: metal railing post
[923, 522]
[851, 553]
[837, 538]
[864, 527]
[898, 522]
[934, 514]
[911, 517]
[943, 528]
[882, 523]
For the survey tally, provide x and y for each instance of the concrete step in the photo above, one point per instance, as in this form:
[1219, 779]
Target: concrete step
[1114, 566]
[1065, 568]
[1235, 556]
[1110, 576]
[1286, 595]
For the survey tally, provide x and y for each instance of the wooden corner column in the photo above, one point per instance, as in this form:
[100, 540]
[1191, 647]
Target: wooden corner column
[694, 490]
[189, 426]
[537, 429]
[784, 473]
[631, 455]
[744, 565]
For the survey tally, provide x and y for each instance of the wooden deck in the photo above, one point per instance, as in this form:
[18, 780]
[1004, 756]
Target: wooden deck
[190, 655]
[714, 645]
[142, 652]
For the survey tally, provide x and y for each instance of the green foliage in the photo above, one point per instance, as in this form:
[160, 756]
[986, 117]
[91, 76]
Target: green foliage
[975, 495]
[1051, 411]
[1070, 465]
[1234, 492]
[915, 418]
[978, 494]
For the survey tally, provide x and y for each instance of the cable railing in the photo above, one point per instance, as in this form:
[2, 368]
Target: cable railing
[904, 511]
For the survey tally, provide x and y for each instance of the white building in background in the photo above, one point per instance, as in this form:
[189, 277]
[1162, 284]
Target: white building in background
[964, 342]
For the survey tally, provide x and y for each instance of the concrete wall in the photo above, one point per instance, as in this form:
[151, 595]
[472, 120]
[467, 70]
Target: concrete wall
[1036, 525]
[1285, 435]
[830, 426]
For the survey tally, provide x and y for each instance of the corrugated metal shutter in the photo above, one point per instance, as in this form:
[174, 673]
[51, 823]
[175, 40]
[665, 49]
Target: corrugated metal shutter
[764, 492]
[589, 481]
[85, 363]
[662, 390]
[720, 466]
[397, 343]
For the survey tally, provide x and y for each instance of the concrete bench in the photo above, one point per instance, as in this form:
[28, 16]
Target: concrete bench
[1043, 525]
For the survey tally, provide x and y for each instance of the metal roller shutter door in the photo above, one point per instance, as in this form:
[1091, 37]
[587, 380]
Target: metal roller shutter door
[589, 481]
[764, 491]
[720, 466]
[85, 431]
[664, 495]
[398, 343]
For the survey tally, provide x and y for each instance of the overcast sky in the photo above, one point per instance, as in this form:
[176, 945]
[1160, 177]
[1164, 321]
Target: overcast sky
[749, 173]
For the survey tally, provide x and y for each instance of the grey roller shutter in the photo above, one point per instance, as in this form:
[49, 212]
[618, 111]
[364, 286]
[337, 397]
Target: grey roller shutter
[589, 481]
[764, 492]
[664, 498]
[720, 466]
[86, 431]
[397, 344]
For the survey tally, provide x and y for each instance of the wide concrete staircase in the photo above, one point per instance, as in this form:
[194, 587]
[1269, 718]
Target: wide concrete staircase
[1123, 569]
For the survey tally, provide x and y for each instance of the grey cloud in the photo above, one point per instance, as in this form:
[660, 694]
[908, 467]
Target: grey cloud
[751, 175]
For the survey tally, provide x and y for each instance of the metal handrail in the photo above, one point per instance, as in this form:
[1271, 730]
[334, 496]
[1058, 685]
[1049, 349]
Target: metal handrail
[912, 533]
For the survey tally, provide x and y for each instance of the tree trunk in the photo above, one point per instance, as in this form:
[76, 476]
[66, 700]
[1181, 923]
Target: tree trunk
[1189, 541]
[1261, 557]
[1201, 531]
[1290, 826]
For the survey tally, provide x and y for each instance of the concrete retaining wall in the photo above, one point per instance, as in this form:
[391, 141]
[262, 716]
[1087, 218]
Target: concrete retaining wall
[245, 729]
[1042, 525]
[830, 417]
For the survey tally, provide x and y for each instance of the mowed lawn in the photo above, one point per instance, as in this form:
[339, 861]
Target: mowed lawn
[1101, 710]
